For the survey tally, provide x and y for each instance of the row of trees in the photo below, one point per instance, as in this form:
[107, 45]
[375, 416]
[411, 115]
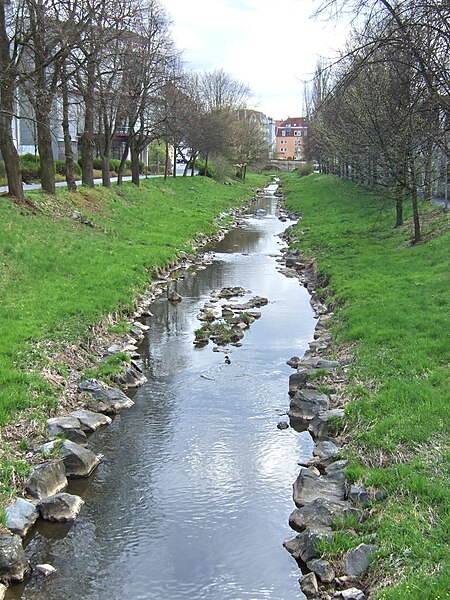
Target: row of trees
[380, 114]
[114, 62]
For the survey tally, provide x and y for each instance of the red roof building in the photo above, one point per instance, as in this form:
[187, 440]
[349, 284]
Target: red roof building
[290, 138]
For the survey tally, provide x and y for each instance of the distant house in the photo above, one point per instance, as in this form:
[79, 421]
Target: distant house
[290, 138]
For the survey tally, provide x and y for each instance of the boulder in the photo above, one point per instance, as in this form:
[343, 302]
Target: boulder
[319, 363]
[352, 594]
[338, 465]
[78, 461]
[297, 381]
[283, 425]
[47, 479]
[69, 427]
[326, 451]
[107, 399]
[303, 546]
[14, 566]
[358, 560]
[20, 516]
[129, 378]
[318, 426]
[293, 362]
[61, 507]
[3, 589]
[91, 421]
[309, 486]
[307, 403]
[319, 513]
[359, 495]
[322, 568]
[308, 584]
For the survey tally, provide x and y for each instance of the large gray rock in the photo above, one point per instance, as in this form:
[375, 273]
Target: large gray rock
[322, 568]
[47, 479]
[308, 584]
[318, 426]
[352, 594]
[60, 508]
[297, 381]
[319, 513]
[358, 559]
[306, 404]
[326, 451]
[309, 486]
[14, 566]
[69, 427]
[107, 399]
[320, 363]
[91, 421]
[78, 461]
[359, 495]
[20, 516]
[304, 545]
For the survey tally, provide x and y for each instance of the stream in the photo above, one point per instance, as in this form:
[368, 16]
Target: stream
[193, 496]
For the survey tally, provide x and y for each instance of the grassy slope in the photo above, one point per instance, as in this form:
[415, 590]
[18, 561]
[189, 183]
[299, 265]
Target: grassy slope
[58, 276]
[394, 307]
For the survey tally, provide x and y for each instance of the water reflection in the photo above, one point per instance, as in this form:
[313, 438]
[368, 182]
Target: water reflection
[192, 499]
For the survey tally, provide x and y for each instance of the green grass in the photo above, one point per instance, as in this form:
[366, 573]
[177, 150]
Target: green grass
[58, 276]
[392, 305]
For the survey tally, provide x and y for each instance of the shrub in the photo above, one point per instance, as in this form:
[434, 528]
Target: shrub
[305, 169]
[60, 168]
[114, 164]
[204, 171]
[29, 164]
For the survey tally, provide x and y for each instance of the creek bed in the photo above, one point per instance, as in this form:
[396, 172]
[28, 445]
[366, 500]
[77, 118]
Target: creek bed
[193, 496]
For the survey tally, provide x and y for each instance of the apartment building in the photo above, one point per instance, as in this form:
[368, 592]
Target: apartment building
[290, 138]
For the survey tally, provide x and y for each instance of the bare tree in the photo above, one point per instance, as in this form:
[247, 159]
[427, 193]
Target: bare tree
[10, 50]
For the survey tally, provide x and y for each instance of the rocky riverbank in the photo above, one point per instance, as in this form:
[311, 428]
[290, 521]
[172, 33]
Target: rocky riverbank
[324, 501]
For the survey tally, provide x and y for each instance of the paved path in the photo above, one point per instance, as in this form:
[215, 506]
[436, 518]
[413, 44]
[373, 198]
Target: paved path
[37, 186]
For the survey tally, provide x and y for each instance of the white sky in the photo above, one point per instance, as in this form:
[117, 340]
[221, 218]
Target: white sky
[270, 45]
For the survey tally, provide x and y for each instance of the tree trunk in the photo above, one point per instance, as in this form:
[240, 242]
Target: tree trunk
[174, 171]
[42, 101]
[44, 138]
[399, 209]
[123, 160]
[427, 178]
[87, 142]
[416, 218]
[7, 87]
[134, 164]
[70, 172]
[166, 165]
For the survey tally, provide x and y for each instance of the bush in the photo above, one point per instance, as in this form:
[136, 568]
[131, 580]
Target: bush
[205, 171]
[60, 168]
[114, 164]
[305, 169]
[29, 164]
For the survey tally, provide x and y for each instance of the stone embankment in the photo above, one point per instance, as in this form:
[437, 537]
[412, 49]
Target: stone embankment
[321, 494]
[61, 453]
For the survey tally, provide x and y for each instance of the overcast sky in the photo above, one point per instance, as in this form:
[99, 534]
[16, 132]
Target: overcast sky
[270, 45]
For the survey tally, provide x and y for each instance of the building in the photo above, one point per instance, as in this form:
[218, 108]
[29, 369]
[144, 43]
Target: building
[290, 138]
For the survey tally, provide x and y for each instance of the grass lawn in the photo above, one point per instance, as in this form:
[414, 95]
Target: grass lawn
[392, 307]
[58, 276]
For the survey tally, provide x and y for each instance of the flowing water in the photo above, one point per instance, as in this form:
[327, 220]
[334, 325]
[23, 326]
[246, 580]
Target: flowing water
[193, 496]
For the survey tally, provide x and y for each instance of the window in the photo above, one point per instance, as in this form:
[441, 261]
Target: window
[283, 132]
